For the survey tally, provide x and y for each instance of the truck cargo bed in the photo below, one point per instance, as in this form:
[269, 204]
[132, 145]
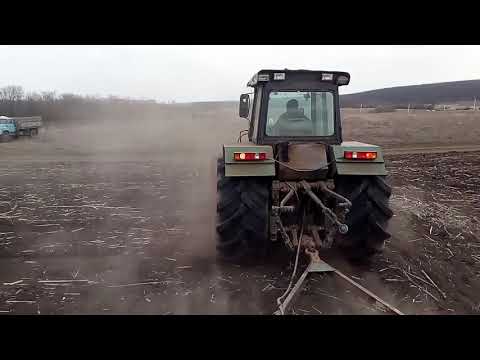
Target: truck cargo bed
[32, 122]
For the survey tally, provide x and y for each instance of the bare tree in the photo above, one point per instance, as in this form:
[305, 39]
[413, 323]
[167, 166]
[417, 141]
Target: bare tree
[71, 98]
[11, 93]
[48, 96]
[33, 97]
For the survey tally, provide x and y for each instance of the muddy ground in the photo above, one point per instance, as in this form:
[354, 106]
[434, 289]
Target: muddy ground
[110, 218]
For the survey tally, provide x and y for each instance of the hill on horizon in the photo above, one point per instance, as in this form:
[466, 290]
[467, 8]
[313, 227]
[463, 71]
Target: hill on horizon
[400, 96]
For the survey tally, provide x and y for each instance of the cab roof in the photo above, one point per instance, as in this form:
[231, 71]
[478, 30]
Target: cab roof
[320, 75]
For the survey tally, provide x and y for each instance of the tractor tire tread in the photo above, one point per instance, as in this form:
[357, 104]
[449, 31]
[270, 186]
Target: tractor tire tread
[243, 213]
[369, 216]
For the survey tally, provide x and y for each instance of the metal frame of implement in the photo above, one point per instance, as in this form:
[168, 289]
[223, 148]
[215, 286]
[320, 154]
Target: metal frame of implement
[317, 265]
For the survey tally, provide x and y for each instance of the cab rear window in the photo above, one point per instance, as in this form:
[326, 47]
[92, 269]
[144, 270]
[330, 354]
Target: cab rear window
[300, 113]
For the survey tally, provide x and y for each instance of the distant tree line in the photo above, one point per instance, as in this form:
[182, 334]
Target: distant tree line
[55, 107]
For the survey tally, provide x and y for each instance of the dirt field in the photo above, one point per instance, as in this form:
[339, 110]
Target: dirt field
[109, 218]
[418, 128]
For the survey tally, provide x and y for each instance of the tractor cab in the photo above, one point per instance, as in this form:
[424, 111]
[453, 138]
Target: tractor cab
[294, 106]
[297, 114]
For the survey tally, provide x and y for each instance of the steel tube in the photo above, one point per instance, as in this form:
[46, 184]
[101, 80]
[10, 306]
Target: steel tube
[335, 195]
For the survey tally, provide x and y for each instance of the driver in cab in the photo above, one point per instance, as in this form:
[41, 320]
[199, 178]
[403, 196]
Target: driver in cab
[293, 122]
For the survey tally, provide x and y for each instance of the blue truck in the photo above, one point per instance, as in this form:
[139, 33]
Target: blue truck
[19, 126]
[8, 128]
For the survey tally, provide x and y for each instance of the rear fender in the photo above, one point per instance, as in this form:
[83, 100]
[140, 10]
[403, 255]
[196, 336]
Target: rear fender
[235, 168]
[358, 167]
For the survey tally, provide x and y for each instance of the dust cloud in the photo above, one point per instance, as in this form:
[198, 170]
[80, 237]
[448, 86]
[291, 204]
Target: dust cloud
[118, 203]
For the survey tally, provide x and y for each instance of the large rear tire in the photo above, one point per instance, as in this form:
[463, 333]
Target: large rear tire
[369, 216]
[243, 214]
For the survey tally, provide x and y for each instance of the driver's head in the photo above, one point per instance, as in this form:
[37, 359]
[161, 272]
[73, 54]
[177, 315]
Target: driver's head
[292, 105]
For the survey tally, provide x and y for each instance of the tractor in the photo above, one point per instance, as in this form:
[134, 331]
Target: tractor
[295, 176]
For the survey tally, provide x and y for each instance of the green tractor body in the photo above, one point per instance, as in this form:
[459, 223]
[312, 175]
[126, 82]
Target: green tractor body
[295, 176]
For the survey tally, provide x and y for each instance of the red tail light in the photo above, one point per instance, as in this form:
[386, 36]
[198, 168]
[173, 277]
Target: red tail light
[360, 155]
[249, 156]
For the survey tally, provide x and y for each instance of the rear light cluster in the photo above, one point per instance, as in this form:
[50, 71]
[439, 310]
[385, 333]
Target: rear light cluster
[360, 155]
[249, 156]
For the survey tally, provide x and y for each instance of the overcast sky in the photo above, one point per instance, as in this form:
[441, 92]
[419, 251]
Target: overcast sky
[206, 73]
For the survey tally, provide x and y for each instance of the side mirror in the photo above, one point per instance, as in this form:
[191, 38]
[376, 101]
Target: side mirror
[244, 108]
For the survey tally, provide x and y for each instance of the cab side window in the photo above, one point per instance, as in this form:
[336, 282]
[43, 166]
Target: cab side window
[256, 112]
[252, 116]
